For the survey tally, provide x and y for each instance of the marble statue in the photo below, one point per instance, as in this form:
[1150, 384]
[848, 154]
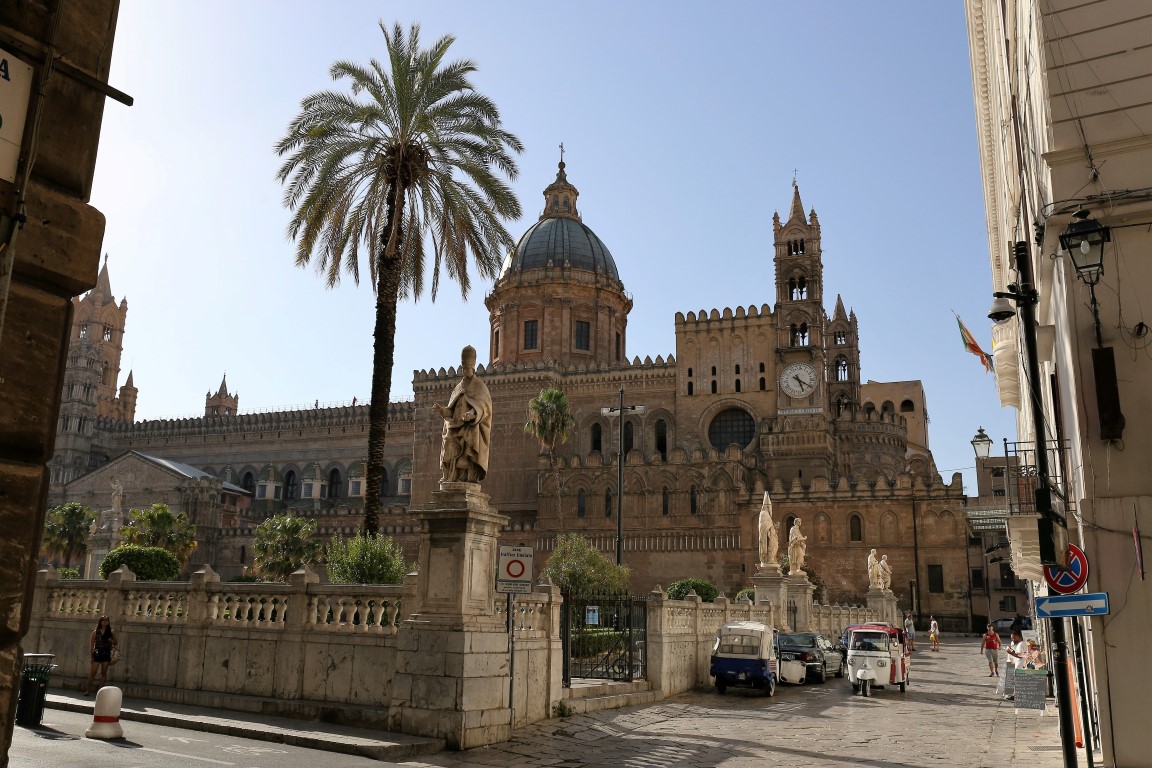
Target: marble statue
[796, 548]
[467, 426]
[769, 538]
[117, 495]
[884, 573]
[873, 572]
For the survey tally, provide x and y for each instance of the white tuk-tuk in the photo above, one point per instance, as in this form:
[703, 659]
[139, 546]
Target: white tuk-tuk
[877, 657]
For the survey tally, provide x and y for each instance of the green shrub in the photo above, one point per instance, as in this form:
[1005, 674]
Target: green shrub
[747, 592]
[365, 560]
[67, 573]
[244, 579]
[148, 563]
[705, 589]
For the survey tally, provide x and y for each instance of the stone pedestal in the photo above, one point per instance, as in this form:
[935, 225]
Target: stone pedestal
[452, 667]
[769, 586]
[882, 602]
[798, 591]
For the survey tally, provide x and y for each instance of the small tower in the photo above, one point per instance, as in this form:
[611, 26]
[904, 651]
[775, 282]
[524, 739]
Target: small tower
[221, 403]
[843, 359]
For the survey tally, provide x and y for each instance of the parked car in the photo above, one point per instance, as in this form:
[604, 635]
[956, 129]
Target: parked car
[820, 655]
[1003, 627]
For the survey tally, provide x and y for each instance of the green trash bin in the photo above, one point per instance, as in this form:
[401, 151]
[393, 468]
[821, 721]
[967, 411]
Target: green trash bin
[33, 688]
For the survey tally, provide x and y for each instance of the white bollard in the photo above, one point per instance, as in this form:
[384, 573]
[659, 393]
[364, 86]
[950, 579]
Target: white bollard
[106, 714]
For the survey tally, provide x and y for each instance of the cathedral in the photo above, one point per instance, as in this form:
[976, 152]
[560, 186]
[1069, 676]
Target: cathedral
[756, 399]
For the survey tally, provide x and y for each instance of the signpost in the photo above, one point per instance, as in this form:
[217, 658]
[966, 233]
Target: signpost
[514, 576]
[1073, 576]
[1060, 606]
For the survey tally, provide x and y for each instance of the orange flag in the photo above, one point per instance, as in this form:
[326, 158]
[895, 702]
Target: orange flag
[971, 345]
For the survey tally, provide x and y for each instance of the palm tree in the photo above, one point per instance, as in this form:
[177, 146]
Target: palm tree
[66, 529]
[380, 168]
[549, 421]
[158, 527]
[284, 544]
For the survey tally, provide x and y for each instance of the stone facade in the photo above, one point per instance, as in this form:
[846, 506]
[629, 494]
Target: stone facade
[763, 397]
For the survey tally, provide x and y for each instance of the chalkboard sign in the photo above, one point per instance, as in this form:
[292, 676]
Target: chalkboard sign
[1031, 687]
[1007, 679]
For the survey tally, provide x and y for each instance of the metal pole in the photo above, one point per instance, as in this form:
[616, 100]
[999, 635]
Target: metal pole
[620, 488]
[1026, 300]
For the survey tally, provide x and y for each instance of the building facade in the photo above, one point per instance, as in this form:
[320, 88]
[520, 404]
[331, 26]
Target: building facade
[766, 397]
[1065, 128]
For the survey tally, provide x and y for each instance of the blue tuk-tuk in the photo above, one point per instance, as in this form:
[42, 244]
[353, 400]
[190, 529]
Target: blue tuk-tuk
[746, 653]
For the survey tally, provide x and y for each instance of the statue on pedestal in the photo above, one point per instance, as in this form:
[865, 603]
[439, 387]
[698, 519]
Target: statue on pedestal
[769, 538]
[117, 495]
[873, 570]
[797, 549]
[467, 426]
[884, 573]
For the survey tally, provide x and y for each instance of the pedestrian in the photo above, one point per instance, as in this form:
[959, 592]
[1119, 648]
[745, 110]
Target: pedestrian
[1035, 656]
[1018, 650]
[934, 633]
[910, 632]
[991, 648]
[100, 647]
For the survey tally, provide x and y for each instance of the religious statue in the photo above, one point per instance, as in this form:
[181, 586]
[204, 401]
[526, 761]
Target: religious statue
[117, 495]
[873, 572]
[467, 426]
[769, 538]
[796, 548]
[884, 573]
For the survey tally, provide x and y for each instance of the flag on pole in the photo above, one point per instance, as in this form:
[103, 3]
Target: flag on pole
[971, 345]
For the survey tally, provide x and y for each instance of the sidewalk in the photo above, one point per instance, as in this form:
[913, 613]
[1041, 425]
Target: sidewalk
[376, 745]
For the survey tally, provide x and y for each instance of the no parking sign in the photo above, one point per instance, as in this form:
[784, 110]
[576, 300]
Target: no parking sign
[514, 576]
[1073, 576]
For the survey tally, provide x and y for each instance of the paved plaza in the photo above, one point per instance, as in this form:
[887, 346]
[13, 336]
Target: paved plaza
[950, 715]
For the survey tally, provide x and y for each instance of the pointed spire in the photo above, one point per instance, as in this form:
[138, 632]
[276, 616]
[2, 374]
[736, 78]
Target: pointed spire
[223, 385]
[128, 382]
[560, 196]
[796, 213]
[103, 287]
[839, 311]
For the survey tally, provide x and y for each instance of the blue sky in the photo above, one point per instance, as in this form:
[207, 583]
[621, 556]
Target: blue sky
[683, 124]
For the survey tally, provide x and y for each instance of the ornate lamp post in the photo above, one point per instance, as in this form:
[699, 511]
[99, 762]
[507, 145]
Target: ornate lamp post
[620, 411]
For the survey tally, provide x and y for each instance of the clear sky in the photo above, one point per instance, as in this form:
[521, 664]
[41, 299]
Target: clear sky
[683, 125]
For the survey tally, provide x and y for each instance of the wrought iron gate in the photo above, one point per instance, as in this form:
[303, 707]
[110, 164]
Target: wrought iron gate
[604, 638]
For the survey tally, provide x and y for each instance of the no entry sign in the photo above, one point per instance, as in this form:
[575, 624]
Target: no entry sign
[514, 575]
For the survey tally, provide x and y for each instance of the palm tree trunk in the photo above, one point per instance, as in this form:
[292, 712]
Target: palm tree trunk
[383, 354]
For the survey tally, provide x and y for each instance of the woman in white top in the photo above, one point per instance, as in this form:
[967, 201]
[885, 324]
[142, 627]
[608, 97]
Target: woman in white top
[934, 634]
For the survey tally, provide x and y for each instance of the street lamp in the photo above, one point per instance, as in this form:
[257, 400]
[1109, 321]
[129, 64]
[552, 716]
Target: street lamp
[620, 411]
[1026, 298]
[982, 444]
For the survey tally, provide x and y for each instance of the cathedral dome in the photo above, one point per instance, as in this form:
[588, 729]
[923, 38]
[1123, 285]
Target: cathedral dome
[560, 238]
[560, 242]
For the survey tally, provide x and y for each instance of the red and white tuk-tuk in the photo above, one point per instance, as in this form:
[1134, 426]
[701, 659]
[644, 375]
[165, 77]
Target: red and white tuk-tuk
[877, 657]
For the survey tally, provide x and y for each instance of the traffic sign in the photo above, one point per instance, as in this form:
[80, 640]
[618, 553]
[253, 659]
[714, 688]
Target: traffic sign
[1074, 575]
[514, 576]
[1058, 606]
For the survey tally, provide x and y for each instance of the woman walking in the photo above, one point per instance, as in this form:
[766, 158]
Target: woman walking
[991, 648]
[934, 633]
[103, 639]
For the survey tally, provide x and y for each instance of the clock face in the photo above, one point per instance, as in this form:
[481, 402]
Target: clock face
[798, 380]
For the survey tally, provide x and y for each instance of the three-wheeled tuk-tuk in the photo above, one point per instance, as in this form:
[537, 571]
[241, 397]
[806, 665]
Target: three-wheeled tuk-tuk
[746, 653]
[877, 657]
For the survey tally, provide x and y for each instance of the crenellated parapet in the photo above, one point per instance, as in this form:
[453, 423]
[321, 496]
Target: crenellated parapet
[704, 317]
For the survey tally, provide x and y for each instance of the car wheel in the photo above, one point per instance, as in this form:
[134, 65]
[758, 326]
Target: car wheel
[771, 687]
[721, 686]
[842, 669]
[822, 675]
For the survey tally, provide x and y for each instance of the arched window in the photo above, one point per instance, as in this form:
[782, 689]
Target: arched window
[243, 554]
[737, 385]
[713, 370]
[737, 370]
[855, 528]
[689, 388]
[291, 485]
[608, 503]
[907, 406]
[581, 502]
[841, 369]
[887, 407]
[689, 373]
[761, 367]
[662, 439]
[692, 501]
[842, 404]
[628, 437]
[664, 502]
[839, 337]
[248, 482]
[335, 484]
[107, 332]
[384, 489]
[597, 434]
[713, 386]
[763, 384]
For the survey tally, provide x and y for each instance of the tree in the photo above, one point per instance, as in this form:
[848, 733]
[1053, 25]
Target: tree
[283, 545]
[705, 590]
[382, 166]
[365, 560]
[549, 421]
[157, 526]
[580, 569]
[66, 530]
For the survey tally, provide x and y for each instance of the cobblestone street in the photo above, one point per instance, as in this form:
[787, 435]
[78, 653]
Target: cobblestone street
[950, 716]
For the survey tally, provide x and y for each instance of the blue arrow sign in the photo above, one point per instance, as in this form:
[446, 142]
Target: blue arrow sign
[1058, 606]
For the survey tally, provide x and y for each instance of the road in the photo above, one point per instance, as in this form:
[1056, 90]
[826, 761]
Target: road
[950, 716]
